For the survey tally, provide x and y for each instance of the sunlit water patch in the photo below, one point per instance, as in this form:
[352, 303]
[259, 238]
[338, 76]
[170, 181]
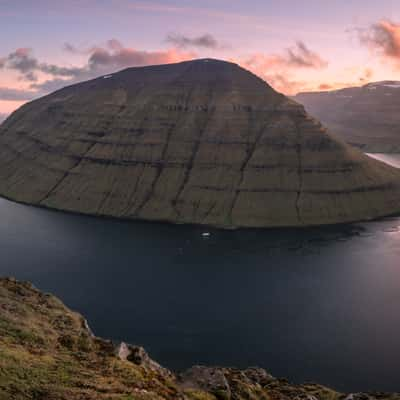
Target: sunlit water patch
[391, 159]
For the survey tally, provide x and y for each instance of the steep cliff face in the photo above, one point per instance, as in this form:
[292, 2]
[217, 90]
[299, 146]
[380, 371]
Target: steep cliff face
[367, 117]
[47, 352]
[202, 142]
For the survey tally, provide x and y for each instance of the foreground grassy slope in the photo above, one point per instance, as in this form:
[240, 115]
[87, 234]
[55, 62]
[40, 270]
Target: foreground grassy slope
[48, 352]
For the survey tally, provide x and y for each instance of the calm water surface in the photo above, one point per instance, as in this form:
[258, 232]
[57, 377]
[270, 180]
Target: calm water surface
[318, 304]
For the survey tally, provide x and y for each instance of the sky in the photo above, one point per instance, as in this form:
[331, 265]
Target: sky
[295, 45]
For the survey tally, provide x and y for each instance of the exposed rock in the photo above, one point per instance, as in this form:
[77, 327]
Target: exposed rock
[367, 117]
[46, 353]
[258, 375]
[122, 351]
[139, 356]
[209, 379]
[228, 383]
[202, 142]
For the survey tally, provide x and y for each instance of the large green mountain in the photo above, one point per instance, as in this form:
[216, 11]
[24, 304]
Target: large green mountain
[202, 142]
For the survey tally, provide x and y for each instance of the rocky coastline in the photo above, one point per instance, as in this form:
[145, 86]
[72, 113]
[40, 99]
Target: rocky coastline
[48, 352]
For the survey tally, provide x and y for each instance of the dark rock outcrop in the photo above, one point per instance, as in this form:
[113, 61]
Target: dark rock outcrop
[367, 117]
[202, 142]
[228, 383]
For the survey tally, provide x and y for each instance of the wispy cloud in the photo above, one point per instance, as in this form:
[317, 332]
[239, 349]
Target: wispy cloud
[325, 86]
[271, 24]
[115, 55]
[70, 48]
[100, 60]
[23, 61]
[297, 56]
[156, 7]
[207, 41]
[277, 69]
[9, 94]
[301, 56]
[331, 86]
[383, 38]
[105, 59]
[159, 7]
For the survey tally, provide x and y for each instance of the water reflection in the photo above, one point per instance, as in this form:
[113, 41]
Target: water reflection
[391, 159]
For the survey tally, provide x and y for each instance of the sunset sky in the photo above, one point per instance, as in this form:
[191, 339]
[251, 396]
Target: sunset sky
[295, 45]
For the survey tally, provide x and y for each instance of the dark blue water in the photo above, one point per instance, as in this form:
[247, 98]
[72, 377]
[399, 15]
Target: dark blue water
[318, 304]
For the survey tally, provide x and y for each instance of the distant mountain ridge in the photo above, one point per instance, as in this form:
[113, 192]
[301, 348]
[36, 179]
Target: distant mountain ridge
[367, 117]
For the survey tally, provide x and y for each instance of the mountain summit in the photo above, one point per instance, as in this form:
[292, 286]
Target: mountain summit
[202, 142]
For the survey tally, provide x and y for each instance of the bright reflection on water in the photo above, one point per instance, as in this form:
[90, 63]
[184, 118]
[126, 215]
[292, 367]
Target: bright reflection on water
[318, 304]
[391, 159]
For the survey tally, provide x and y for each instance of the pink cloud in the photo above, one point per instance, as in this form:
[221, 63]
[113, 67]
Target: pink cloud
[100, 60]
[298, 56]
[383, 38]
[278, 69]
[118, 56]
[325, 86]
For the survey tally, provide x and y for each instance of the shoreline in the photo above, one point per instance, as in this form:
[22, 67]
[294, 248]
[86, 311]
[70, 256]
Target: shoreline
[60, 338]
